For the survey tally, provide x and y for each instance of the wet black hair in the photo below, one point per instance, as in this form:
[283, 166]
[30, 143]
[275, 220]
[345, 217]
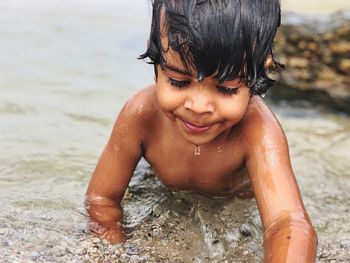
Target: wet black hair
[229, 38]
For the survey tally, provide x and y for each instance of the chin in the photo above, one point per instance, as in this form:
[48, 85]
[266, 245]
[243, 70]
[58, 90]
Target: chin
[204, 138]
[199, 140]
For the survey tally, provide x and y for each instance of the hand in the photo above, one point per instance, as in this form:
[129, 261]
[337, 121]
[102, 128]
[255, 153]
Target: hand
[114, 236]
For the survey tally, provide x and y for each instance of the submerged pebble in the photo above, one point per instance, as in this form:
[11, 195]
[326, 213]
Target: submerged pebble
[85, 244]
[95, 240]
[80, 251]
[34, 255]
[246, 230]
[133, 251]
[345, 243]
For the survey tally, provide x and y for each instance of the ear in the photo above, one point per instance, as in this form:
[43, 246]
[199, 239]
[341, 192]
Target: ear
[268, 62]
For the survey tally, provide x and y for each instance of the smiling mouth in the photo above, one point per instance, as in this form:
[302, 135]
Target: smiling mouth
[195, 128]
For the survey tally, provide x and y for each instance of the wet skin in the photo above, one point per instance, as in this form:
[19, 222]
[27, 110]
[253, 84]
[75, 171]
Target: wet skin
[240, 141]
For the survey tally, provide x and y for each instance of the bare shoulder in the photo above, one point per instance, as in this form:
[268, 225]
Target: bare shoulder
[260, 128]
[143, 105]
[138, 115]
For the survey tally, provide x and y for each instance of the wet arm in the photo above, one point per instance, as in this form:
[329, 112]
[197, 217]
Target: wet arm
[288, 233]
[111, 178]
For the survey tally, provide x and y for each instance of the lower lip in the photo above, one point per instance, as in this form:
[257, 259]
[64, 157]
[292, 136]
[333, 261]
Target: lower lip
[196, 129]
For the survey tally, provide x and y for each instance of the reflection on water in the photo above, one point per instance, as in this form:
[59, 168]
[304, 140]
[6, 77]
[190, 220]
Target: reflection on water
[66, 68]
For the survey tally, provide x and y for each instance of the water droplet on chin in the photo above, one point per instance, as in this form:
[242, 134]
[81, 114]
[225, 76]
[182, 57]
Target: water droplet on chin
[197, 150]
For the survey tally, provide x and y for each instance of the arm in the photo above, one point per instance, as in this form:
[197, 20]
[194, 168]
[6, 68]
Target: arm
[112, 176]
[288, 233]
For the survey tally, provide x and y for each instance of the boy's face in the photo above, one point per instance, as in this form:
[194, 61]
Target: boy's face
[199, 110]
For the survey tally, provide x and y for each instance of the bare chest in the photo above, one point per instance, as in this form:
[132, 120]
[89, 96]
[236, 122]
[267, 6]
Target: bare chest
[211, 168]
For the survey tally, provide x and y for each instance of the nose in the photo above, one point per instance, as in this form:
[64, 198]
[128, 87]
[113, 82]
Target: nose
[200, 103]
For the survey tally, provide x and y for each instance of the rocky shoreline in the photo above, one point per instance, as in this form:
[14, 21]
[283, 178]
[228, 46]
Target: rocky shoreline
[316, 54]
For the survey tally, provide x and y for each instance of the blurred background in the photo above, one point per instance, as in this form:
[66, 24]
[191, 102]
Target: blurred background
[314, 7]
[314, 43]
[66, 69]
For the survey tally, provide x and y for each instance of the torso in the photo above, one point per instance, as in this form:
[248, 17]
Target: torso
[177, 166]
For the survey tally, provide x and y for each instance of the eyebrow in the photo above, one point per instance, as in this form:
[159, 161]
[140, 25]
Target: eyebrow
[175, 69]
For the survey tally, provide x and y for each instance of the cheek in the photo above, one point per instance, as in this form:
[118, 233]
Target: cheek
[233, 111]
[167, 99]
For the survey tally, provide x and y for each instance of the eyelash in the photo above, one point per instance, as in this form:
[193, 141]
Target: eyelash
[180, 84]
[227, 91]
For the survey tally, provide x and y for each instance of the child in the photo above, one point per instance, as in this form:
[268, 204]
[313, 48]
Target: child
[203, 126]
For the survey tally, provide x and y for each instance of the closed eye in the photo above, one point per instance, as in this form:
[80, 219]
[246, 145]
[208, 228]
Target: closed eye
[179, 83]
[227, 91]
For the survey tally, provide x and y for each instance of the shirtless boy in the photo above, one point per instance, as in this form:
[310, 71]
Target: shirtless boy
[203, 125]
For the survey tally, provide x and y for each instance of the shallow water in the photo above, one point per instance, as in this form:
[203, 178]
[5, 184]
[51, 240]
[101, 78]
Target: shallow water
[66, 68]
